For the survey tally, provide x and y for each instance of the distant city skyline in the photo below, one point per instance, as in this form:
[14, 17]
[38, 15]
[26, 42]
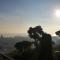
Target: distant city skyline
[16, 16]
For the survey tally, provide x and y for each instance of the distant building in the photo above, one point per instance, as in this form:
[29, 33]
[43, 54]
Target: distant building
[1, 36]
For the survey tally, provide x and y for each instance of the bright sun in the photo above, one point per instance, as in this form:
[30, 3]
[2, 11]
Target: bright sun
[57, 13]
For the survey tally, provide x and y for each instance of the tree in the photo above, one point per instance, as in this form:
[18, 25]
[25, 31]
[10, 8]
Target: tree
[22, 45]
[45, 45]
[57, 33]
[24, 50]
[34, 33]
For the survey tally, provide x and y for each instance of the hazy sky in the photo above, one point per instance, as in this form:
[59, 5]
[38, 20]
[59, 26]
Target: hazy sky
[16, 16]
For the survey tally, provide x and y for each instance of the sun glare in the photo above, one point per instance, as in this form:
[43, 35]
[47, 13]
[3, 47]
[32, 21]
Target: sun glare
[54, 35]
[57, 13]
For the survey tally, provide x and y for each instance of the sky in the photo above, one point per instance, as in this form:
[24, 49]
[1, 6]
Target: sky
[16, 16]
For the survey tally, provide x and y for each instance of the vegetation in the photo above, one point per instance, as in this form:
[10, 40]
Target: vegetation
[43, 47]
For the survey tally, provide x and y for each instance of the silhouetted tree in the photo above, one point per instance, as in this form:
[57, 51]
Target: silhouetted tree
[22, 45]
[34, 33]
[57, 33]
[57, 53]
[25, 48]
[45, 46]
